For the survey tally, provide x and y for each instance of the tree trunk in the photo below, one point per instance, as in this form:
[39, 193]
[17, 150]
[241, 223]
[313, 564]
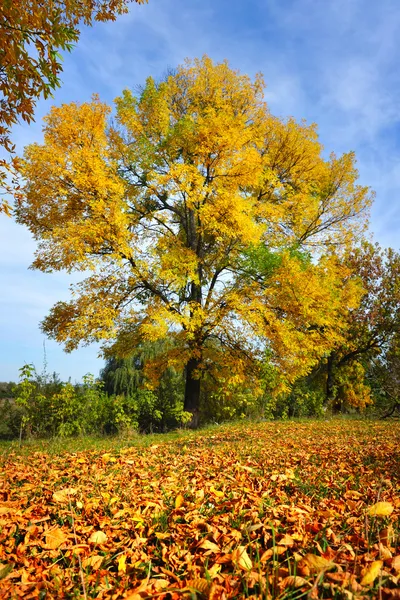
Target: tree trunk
[192, 393]
[332, 399]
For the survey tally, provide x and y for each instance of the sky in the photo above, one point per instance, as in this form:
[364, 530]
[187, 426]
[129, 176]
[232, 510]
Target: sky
[332, 62]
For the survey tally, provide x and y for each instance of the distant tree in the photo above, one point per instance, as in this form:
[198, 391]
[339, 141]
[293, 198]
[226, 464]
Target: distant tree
[31, 35]
[372, 326]
[383, 376]
[165, 206]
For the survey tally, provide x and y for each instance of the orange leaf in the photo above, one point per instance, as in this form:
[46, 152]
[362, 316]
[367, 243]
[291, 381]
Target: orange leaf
[55, 538]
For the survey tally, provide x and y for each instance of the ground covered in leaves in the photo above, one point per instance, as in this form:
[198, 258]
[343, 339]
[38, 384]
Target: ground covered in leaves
[269, 510]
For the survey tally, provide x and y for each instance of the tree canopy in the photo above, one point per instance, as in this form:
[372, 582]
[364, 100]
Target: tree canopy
[31, 36]
[202, 216]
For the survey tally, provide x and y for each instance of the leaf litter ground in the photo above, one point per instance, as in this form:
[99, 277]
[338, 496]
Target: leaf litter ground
[268, 510]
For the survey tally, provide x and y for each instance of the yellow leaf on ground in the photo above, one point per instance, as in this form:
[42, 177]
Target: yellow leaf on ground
[93, 561]
[207, 545]
[107, 457]
[381, 509]
[64, 496]
[122, 563]
[98, 537]
[179, 500]
[317, 563]
[55, 538]
[241, 558]
[199, 585]
[372, 572]
[217, 493]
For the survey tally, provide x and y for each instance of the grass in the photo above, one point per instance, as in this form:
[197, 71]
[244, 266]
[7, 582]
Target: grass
[266, 510]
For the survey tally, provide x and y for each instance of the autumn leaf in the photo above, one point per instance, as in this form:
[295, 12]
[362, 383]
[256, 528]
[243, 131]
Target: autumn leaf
[64, 496]
[241, 558]
[372, 572]
[294, 582]
[55, 538]
[208, 545]
[98, 537]
[5, 569]
[179, 501]
[93, 561]
[122, 563]
[317, 563]
[381, 509]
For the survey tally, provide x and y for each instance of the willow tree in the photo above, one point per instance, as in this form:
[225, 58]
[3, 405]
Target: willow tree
[168, 205]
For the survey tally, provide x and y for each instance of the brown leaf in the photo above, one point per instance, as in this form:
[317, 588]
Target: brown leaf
[93, 561]
[294, 582]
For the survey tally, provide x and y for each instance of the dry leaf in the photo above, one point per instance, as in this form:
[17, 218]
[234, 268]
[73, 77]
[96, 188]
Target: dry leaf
[372, 572]
[317, 563]
[241, 558]
[55, 538]
[98, 537]
[122, 563]
[294, 582]
[207, 545]
[396, 563]
[381, 509]
[64, 496]
[199, 585]
[179, 501]
[93, 561]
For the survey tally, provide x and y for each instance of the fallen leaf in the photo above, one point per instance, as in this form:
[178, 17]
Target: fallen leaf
[98, 537]
[93, 561]
[396, 563]
[241, 558]
[55, 538]
[179, 501]
[122, 563]
[64, 496]
[207, 545]
[372, 572]
[381, 509]
[317, 563]
[294, 582]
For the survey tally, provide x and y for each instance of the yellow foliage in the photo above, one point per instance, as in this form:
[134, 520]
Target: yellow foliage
[30, 38]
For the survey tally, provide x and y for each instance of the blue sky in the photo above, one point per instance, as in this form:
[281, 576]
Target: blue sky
[333, 62]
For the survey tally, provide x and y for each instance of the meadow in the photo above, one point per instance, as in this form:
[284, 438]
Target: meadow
[288, 510]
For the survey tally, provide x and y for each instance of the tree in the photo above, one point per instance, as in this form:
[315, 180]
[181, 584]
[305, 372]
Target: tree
[383, 376]
[372, 325]
[169, 207]
[31, 36]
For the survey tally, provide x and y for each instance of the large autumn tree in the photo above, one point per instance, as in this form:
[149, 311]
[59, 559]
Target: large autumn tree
[32, 34]
[201, 216]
